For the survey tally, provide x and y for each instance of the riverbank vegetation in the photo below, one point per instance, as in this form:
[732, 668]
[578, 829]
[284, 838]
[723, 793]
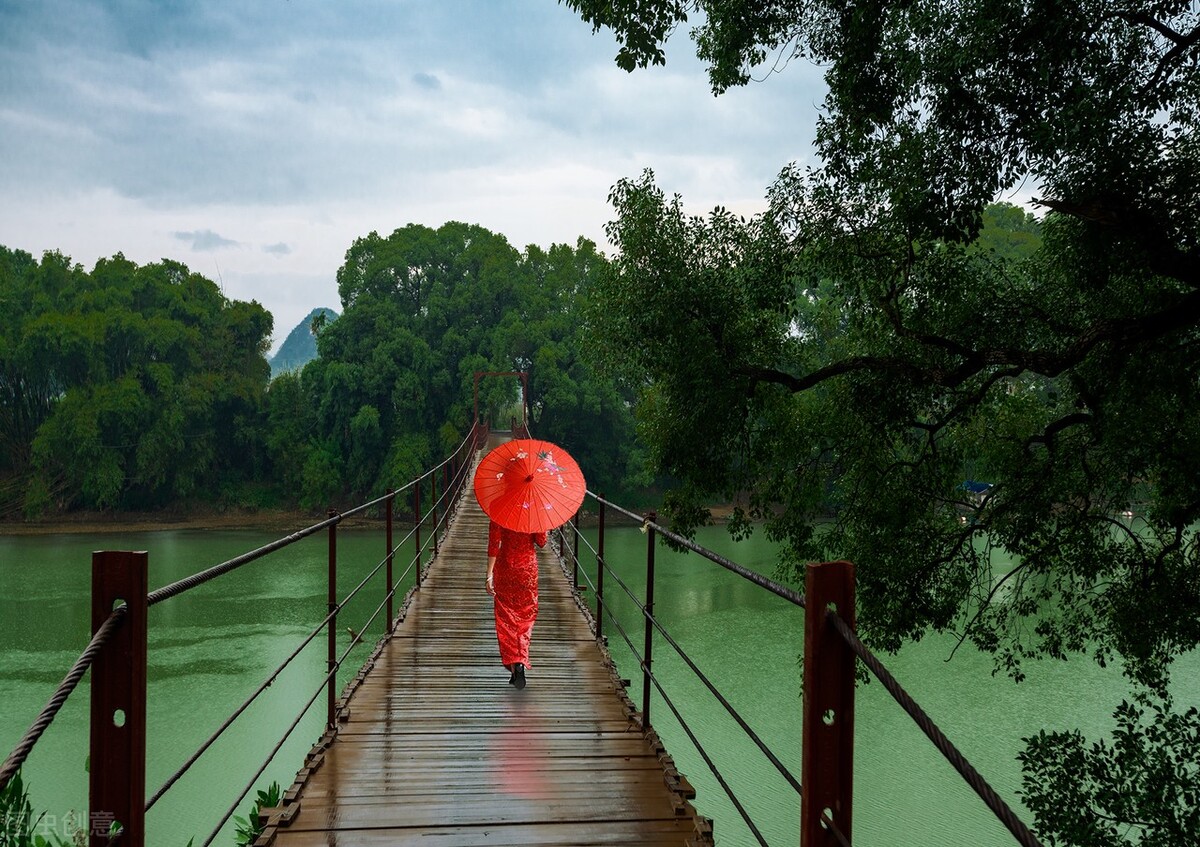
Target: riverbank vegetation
[143, 389]
[852, 344]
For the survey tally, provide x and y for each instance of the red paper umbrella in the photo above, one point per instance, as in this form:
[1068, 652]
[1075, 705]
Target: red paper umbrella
[529, 485]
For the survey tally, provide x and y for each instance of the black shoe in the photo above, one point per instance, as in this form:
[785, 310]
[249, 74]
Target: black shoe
[518, 675]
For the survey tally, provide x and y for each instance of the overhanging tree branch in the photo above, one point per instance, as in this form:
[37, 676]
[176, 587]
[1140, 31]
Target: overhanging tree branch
[1121, 334]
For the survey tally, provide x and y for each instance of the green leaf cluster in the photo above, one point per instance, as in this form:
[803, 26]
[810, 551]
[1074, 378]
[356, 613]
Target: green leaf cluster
[249, 828]
[1141, 788]
[18, 826]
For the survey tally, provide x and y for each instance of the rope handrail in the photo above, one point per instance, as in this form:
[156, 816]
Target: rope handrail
[189, 582]
[742, 571]
[1001, 809]
[699, 674]
[21, 752]
[686, 728]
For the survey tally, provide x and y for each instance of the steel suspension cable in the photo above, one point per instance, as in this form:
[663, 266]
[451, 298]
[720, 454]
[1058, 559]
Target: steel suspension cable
[733, 713]
[708, 761]
[188, 583]
[742, 571]
[175, 777]
[838, 835]
[271, 679]
[1001, 809]
[687, 729]
[176, 588]
[337, 665]
[21, 752]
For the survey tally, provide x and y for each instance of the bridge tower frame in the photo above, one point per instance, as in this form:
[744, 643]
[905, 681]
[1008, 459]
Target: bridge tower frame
[524, 375]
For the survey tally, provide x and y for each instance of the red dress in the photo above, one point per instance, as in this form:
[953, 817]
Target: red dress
[515, 580]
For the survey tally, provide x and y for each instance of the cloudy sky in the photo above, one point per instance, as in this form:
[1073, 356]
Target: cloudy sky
[254, 141]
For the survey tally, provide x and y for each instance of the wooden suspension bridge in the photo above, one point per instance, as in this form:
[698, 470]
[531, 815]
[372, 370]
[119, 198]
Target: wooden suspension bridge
[435, 748]
[428, 744]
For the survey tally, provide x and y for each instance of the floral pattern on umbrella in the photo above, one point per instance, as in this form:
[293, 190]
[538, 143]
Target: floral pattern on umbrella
[529, 485]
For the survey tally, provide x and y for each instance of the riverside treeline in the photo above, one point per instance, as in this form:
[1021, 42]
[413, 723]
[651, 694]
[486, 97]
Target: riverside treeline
[143, 387]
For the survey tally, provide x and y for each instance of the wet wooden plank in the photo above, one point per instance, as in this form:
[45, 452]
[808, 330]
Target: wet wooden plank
[438, 749]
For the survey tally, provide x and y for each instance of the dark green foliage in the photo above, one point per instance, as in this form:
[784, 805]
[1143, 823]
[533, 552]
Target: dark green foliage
[128, 387]
[882, 334]
[142, 387]
[1140, 788]
[423, 311]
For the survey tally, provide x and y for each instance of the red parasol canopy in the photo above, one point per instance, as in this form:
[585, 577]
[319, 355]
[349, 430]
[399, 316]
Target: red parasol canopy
[529, 485]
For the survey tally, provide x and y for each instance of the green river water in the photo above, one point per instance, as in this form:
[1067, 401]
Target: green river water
[211, 647]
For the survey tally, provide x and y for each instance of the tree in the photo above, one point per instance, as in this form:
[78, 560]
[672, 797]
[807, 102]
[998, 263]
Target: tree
[423, 311]
[857, 351]
[126, 387]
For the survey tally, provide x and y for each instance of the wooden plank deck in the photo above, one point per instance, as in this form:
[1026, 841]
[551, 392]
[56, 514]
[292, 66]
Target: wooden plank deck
[438, 749]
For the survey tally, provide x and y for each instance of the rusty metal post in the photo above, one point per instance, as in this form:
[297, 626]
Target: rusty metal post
[117, 782]
[449, 497]
[331, 635]
[600, 577]
[647, 664]
[827, 743]
[417, 528]
[391, 502]
[575, 524]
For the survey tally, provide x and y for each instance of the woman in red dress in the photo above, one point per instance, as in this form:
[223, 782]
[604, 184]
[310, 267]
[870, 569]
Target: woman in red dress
[512, 579]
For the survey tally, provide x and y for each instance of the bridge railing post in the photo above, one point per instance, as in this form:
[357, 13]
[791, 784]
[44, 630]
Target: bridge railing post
[600, 577]
[417, 528]
[117, 780]
[331, 635]
[647, 660]
[391, 502]
[827, 742]
[433, 504]
[575, 555]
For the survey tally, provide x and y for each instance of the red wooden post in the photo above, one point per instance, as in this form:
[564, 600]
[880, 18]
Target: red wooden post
[117, 782]
[649, 641]
[433, 504]
[391, 502]
[600, 577]
[827, 753]
[331, 639]
[417, 528]
[575, 524]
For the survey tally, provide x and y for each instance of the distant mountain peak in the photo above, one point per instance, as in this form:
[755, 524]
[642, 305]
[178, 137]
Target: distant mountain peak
[300, 346]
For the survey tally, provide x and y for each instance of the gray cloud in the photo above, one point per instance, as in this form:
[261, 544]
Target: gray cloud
[147, 127]
[427, 81]
[205, 241]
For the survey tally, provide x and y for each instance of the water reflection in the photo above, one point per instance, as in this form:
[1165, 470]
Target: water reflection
[517, 758]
